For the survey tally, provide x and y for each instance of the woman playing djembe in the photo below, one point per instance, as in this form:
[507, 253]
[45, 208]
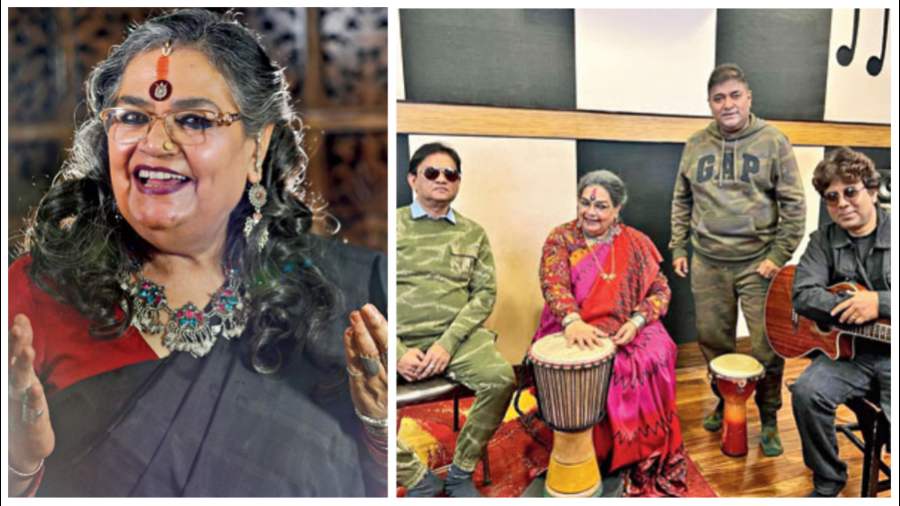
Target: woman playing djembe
[175, 328]
[601, 279]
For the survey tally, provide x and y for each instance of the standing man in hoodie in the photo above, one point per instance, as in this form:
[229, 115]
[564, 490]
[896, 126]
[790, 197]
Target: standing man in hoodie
[739, 197]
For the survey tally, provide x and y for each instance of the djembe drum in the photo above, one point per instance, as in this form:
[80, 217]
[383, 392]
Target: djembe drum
[735, 375]
[571, 385]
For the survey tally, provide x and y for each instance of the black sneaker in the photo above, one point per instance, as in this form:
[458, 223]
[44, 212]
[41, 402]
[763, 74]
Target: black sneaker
[713, 421]
[459, 483]
[816, 493]
[429, 486]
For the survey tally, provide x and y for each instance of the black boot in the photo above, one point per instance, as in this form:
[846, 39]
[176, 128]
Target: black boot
[459, 483]
[429, 486]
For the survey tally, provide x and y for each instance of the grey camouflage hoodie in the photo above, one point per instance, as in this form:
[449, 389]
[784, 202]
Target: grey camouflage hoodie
[738, 211]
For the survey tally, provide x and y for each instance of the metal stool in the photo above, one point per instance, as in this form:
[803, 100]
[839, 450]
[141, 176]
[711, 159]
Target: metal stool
[438, 389]
[872, 423]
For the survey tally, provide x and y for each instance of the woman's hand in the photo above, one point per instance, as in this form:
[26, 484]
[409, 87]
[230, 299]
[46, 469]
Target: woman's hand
[625, 334]
[583, 335]
[365, 345]
[31, 437]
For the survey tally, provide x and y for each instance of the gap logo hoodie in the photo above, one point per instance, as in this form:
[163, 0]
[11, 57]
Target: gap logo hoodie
[738, 197]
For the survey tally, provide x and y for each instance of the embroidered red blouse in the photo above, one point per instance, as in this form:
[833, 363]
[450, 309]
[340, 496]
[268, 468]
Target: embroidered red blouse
[65, 352]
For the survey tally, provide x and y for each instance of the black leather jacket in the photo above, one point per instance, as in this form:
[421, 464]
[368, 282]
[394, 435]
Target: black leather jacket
[830, 258]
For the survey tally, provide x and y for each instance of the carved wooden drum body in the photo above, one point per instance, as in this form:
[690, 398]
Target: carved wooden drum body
[572, 385]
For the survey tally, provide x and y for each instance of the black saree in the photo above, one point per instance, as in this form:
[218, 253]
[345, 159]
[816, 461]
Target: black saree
[183, 426]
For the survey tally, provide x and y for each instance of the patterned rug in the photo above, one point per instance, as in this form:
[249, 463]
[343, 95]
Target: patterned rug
[518, 453]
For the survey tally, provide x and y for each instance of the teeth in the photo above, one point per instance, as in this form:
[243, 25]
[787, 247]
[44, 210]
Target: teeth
[156, 174]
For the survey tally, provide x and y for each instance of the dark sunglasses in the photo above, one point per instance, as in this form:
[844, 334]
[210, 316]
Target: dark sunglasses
[850, 194]
[432, 173]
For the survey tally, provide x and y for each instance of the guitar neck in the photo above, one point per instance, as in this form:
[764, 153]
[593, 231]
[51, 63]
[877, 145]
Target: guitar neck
[880, 332]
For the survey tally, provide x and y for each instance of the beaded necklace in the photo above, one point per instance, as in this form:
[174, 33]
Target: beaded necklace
[188, 328]
[606, 238]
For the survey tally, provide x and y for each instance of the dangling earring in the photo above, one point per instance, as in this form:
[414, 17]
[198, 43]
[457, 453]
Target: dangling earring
[257, 196]
[115, 210]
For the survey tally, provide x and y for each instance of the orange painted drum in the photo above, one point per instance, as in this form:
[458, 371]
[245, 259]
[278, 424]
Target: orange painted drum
[735, 375]
[571, 385]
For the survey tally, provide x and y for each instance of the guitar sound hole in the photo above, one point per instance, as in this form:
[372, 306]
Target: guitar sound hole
[823, 327]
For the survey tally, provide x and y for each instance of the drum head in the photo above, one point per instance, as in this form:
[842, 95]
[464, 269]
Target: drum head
[552, 351]
[736, 366]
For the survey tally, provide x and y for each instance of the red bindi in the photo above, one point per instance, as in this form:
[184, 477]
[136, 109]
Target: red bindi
[162, 88]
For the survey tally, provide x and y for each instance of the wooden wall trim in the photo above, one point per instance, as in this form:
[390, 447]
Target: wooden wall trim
[442, 119]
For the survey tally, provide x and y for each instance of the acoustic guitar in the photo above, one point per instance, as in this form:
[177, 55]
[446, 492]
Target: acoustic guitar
[792, 335]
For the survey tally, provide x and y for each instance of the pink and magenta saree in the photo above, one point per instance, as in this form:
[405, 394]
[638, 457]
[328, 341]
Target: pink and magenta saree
[641, 432]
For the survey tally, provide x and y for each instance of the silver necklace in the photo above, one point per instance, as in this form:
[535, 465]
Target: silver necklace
[188, 328]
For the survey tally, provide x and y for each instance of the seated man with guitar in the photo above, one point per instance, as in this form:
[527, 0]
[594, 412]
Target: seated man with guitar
[854, 253]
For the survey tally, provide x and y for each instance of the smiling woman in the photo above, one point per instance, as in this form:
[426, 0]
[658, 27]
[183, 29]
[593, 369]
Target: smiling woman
[603, 288]
[175, 325]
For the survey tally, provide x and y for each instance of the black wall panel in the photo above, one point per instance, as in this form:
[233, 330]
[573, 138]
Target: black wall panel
[648, 171]
[784, 53]
[404, 194]
[511, 58]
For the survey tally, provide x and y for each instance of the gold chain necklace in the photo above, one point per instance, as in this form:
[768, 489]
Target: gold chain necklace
[606, 276]
[610, 238]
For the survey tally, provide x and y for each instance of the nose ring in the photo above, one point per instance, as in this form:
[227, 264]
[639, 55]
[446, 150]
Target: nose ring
[168, 146]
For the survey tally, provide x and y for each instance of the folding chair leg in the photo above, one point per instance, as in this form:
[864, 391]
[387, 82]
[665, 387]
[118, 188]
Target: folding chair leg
[871, 458]
[486, 467]
[456, 411]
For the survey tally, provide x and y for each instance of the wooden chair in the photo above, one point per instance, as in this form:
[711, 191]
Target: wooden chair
[437, 389]
[875, 429]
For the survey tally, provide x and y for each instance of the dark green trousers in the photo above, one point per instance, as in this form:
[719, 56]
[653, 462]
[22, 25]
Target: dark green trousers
[717, 289]
[479, 366]
[410, 470]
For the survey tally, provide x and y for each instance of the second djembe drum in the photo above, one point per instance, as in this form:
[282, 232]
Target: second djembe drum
[735, 375]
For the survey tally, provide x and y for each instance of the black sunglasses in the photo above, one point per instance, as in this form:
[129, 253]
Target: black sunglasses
[432, 173]
[850, 194]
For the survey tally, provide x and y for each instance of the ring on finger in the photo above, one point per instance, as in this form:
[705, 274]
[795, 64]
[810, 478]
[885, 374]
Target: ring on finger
[30, 415]
[14, 392]
[370, 365]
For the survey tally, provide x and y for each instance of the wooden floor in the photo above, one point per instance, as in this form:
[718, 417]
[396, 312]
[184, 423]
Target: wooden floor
[754, 475]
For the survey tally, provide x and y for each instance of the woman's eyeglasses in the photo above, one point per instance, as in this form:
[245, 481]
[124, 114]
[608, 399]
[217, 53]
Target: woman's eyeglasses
[851, 193]
[186, 127]
[432, 173]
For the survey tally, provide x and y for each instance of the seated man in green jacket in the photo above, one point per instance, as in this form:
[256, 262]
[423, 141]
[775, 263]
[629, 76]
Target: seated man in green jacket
[446, 288]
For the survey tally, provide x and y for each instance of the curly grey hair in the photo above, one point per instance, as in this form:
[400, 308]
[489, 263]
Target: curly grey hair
[81, 263]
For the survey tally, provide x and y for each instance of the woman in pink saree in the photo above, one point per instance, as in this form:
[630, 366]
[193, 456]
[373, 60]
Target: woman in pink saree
[602, 280]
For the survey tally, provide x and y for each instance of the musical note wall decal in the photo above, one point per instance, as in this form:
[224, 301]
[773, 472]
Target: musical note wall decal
[876, 63]
[845, 53]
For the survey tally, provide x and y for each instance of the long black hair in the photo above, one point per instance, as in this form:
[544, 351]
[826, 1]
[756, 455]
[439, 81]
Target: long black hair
[80, 245]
